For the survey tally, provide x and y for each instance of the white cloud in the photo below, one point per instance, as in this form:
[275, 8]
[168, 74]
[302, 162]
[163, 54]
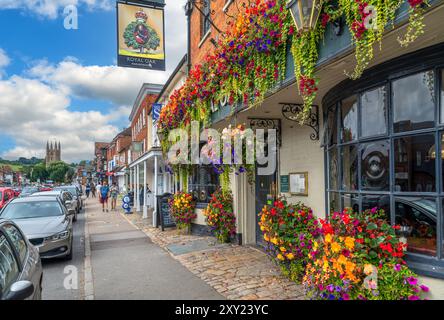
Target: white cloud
[53, 8]
[4, 61]
[36, 105]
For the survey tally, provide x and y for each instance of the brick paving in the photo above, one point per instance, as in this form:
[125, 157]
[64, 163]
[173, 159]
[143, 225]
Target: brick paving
[236, 272]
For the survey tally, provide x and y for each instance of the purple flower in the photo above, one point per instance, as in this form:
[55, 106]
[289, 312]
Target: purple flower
[345, 296]
[413, 298]
[412, 281]
[397, 267]
[424, 288]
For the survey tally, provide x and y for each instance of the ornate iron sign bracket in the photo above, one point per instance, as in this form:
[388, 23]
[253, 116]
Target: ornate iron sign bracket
[290, 111]
[262, 123]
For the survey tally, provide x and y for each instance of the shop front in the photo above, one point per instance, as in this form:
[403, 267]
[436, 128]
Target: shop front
[383, 135]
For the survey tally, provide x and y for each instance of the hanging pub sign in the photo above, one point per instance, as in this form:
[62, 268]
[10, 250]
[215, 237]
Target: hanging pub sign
[140, 32]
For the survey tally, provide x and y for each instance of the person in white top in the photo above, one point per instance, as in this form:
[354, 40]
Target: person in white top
[98, 187]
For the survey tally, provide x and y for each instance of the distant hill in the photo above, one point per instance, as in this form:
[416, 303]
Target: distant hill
[21, 161]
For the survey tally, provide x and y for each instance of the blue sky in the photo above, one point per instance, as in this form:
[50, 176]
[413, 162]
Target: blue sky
[50, 75]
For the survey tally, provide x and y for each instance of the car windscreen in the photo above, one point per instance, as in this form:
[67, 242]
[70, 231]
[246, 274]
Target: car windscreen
[34, 209]
[71, 190]
[29, 190]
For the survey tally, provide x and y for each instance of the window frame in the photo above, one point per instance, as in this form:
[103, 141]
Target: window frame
[17, 253]
[205, 17]
[384, 75]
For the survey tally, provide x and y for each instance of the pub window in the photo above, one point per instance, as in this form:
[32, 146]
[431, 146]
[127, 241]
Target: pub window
[375, 166]
[415, 163]
[382, 160]
[349, 117]
[417, 217]
[413, 102]
[373, 112]
[205, 18]
[203, 183]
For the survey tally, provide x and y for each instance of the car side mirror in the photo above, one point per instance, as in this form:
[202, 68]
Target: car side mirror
[68, 202]
[20, 290]
[71, 211]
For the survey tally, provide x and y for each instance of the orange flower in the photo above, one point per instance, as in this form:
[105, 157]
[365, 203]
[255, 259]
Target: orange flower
[350, 243]
[335, 247]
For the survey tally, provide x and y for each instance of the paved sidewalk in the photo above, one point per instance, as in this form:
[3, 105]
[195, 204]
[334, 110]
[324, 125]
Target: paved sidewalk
[126, 264]
[236, 272]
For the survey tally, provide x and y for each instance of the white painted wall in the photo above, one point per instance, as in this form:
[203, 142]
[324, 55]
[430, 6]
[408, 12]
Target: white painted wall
[300, 154]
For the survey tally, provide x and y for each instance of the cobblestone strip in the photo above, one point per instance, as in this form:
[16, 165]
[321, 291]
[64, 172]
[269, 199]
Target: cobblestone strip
[236, 272]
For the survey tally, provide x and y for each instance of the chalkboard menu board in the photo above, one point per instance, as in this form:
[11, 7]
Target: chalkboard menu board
[163, 211]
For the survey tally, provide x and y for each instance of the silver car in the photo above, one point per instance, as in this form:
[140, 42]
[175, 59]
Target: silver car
[65, 197]
[46, 223]
[75, 195]
[21, 271]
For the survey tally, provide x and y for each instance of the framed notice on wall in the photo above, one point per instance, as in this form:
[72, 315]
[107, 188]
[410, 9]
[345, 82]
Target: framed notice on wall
[299, 183]
[141, 36]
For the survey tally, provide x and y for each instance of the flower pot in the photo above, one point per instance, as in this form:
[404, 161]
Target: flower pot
[184, 230]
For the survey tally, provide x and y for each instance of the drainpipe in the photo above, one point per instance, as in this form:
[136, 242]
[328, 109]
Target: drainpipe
[188, 11]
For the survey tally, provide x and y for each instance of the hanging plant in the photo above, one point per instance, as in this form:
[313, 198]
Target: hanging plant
[416, 25]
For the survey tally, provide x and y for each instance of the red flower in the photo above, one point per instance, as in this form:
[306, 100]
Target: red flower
[414, 3]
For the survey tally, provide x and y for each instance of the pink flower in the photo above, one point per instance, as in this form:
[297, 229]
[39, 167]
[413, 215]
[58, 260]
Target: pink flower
[412, 281]
[424, 288]
[397, 267]
[413, 298]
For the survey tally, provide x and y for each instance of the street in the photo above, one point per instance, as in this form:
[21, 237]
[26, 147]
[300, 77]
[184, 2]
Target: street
[125, 263]
[54, 270]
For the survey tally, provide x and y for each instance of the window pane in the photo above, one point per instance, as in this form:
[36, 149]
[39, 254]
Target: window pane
[417, 218]
[373, 112]
[332, 127]
[333, 169]
[9, 270]
[377, 201]
[375, 166]
[350, 201]
[334, 202]
[204, 182]
[349, 119]
[350, 168]
[18, 241]
[413, 102]
[442, 96]
[414, 164]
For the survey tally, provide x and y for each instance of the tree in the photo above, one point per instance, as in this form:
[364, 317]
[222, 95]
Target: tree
[57, 171]
[38, 172]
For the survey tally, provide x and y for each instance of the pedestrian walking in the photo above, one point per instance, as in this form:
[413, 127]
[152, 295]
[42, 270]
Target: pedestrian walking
[104, 195]
[93, 190]
[114, 192]
[87, 189]
[98, 187]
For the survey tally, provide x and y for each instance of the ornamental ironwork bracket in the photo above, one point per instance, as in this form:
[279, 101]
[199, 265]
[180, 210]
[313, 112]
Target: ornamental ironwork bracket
[262, 123]
[292, 111]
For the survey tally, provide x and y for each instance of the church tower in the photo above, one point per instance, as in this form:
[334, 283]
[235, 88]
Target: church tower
[53, 152]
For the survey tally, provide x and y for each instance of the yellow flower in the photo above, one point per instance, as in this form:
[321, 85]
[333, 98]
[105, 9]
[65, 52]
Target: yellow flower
[328, 238]
[335, 247]
[315, 245]
[283, 249]
[350, 242]
[290, 256]
[280, 257]
[368, 269]
[262, 228]
[266, 238]
[274, 241]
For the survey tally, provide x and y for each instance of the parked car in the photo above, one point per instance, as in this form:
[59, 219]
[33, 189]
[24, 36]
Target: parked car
[17, 191]
[6, 195]
[75, 194]
[21, 271]
[45, 188]
[64, 196]
[27, 191]
[46, 223]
